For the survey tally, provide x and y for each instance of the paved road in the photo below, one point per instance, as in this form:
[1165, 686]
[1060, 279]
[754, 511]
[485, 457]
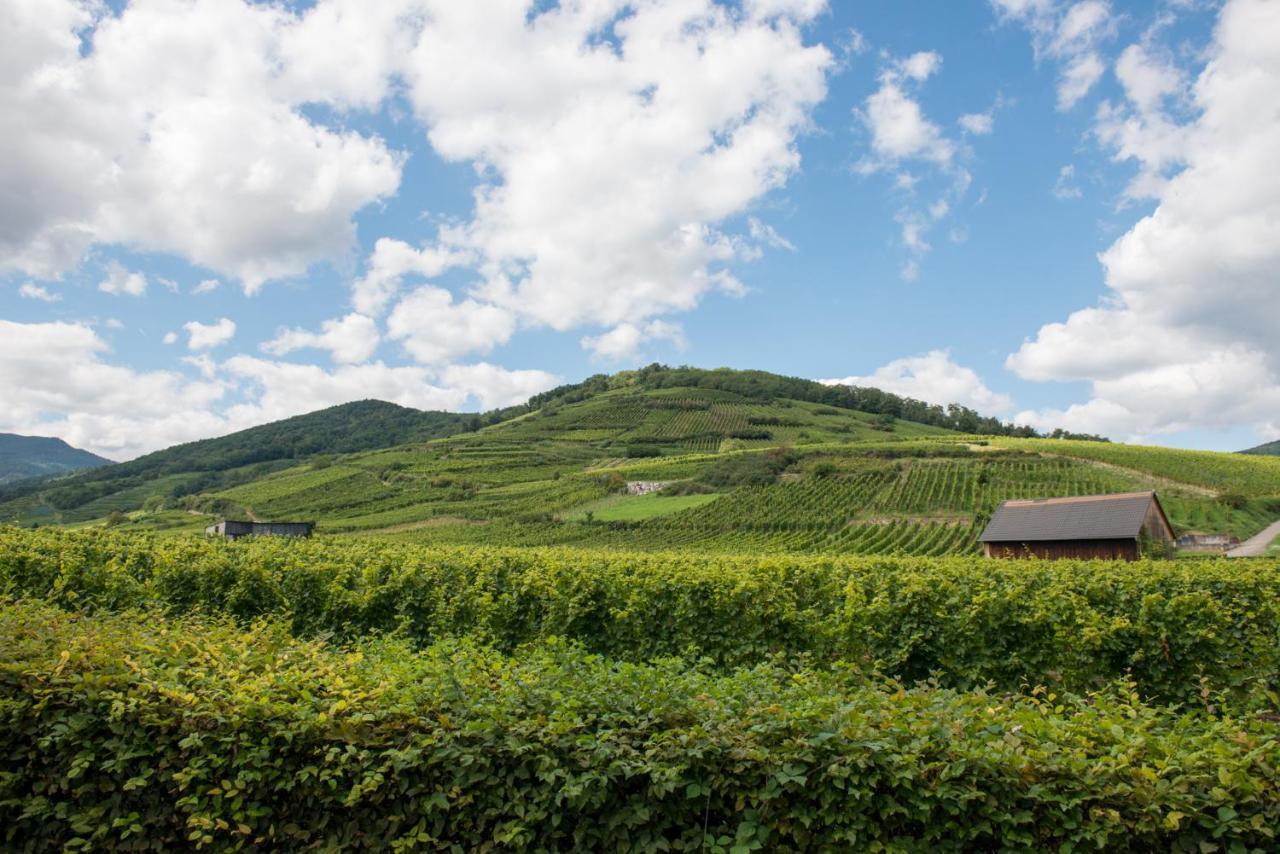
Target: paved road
[1257, 544]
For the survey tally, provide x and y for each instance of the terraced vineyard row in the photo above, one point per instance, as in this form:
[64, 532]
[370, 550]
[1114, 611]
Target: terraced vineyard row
[1220, 472]
[717, 419]
[934, 489]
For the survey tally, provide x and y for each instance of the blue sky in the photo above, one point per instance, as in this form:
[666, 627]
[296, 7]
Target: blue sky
[216, 214]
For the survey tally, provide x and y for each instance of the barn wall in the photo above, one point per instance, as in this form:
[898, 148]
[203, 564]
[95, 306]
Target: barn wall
[1066, 549]
[1154, 526]
[283, 529]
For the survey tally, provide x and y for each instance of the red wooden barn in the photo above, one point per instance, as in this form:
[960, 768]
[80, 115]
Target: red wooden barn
[1112, 527]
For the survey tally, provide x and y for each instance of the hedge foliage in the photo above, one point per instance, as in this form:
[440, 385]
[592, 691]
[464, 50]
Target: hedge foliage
[1183, 631]
[134, 731]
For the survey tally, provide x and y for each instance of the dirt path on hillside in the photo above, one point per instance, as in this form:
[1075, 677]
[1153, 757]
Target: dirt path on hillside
[1257, 544]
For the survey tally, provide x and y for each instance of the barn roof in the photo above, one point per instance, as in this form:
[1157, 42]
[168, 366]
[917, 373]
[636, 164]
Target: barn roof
[1090, 517]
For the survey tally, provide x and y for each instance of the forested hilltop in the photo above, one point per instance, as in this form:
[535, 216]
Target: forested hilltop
[35, 456]
[761, 385]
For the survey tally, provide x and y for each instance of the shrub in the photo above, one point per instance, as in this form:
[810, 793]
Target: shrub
[756, 469]
[135, 732]
[1177, 629]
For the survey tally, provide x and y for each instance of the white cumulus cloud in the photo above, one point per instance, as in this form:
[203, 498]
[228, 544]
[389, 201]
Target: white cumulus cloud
[434, 329]
[121, 281]
[1069, 33]
[613, 140]
[350, 339]
[30, 290]
[897, 123]
[57, 379]
[626, 340]
[175, 127]
[1185, 338]
[934, 378]
[203, 336]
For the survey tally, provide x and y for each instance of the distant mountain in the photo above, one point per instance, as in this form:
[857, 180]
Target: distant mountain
[1270, 449]
[34, 456]
[224, 461]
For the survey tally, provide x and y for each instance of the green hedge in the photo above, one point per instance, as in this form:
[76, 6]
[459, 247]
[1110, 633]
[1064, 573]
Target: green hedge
[1178, 629]
[122, 731]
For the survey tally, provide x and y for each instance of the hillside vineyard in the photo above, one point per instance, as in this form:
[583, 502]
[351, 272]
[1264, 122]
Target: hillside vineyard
[782, 636]
[773, 474]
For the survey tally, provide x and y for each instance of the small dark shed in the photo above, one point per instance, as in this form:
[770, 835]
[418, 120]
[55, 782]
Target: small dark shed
[1093, 526]
[234, 530]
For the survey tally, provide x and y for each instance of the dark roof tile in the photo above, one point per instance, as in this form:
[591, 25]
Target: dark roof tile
[1093, 517]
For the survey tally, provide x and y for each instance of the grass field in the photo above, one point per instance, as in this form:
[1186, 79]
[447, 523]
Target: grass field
[637, 508]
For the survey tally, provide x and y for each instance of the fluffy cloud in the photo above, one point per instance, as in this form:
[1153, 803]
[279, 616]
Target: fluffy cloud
[121, 281]
[204, 336]
[898, 127]
[349, 339]
[30, 290]
[902, 137]
[56, 380]
[282, 389]
[626, 340]
[613, 140]
[496, 387]
[1186, 337]
[175, 127]
[53, 381]
[978, 124]
[434, 329]
[934, 378]
[1143, 129]
[1065, 187]
[391, 263]
[1069, 33]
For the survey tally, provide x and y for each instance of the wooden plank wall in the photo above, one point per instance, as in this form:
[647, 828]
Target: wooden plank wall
[1067, 549]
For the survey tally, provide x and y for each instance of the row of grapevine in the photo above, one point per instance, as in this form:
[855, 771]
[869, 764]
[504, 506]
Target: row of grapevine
[1256, 476]
[1176, 627]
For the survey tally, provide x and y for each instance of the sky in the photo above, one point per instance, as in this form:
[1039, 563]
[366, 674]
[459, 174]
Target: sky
[217, 213]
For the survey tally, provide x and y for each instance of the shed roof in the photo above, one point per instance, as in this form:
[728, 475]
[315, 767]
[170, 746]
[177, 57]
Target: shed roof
[1089, 517]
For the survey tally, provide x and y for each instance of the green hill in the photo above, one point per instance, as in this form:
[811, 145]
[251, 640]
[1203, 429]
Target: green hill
[215, 464]
[729, 472]
[37, 456]
[212, 464]
[1270, 449]
[730, 461]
